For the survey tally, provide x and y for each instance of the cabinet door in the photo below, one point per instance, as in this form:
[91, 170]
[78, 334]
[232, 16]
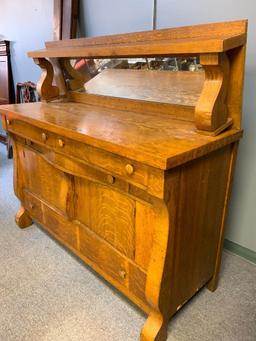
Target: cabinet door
[107, 212]
[42, 179]
[123, 222]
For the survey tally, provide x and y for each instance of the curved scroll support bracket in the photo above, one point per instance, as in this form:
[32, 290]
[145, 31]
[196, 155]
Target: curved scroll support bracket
[58, 78]
[44, 86]
[158, 293]
[211, 114]
[75, 79]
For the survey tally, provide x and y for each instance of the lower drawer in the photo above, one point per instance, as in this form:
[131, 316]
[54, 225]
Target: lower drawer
[94, 250]
[33, 205]
[54, 221]
[60, 226]
[112, 263]
[101, 253]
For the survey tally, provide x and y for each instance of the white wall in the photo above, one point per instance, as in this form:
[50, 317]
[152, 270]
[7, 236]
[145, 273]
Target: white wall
[27, 24]
[100, 17]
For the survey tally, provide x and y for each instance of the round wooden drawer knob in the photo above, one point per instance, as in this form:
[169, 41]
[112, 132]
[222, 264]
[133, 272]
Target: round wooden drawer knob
[110, 179]
[61, 143]
[8, 122]
[32, 206]
[122, 274]
[44, 137]
[129, 169]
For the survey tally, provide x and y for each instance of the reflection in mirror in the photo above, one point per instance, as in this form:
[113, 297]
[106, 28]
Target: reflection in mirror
[165, 64]
[165, 80]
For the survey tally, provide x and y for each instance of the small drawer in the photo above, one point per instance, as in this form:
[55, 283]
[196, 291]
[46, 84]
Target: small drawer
[130, 170]
[31, 133]
[145, 177]
[57, 224]
[33, 205]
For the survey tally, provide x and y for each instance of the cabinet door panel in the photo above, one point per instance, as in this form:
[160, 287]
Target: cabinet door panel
[42, 179]
[108, 213]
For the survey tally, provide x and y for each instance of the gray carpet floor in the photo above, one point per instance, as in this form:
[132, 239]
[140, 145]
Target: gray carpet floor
[47, 294]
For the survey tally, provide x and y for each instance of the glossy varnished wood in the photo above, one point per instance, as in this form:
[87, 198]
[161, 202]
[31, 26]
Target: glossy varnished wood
[210, 30]
[202, 39]
[23, 218]
[159, 252]
[213, 43]
[126, 170]
[45, 88]
[148, 138]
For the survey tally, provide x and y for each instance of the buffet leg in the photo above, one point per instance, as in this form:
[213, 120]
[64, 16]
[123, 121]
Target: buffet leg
[155, 328]
[213, 283]
[22, 218]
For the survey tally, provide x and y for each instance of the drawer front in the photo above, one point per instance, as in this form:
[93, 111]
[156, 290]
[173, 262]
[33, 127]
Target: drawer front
[31, 133]
[101, 254]
[60, 226]
[145, 177]
[112, 263]
[49, 217]
[33, 205]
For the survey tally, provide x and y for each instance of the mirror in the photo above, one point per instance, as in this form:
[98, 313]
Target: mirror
[165, 80]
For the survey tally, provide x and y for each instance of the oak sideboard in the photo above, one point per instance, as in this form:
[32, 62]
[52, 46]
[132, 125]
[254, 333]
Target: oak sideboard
[132, 169]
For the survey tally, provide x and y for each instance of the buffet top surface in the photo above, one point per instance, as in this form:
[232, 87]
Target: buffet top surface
[158, 140]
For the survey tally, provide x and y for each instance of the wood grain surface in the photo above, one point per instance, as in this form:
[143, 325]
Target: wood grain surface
[156, 140]
[129, 175]
[218, 37]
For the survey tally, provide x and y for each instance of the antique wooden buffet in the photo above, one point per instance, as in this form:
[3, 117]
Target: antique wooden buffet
[132, 170]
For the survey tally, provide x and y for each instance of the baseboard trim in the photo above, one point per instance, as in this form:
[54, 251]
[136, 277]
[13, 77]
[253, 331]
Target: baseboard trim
[240, 250]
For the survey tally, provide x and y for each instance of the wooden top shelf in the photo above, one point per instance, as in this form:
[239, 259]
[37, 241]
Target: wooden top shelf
[208, 38]
[157, 140]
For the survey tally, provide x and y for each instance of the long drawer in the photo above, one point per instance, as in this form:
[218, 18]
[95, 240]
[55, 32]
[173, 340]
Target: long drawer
[145, 177]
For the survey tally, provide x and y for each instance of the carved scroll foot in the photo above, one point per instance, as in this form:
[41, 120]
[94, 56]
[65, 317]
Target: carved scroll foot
[155, 328]
[22, 218]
